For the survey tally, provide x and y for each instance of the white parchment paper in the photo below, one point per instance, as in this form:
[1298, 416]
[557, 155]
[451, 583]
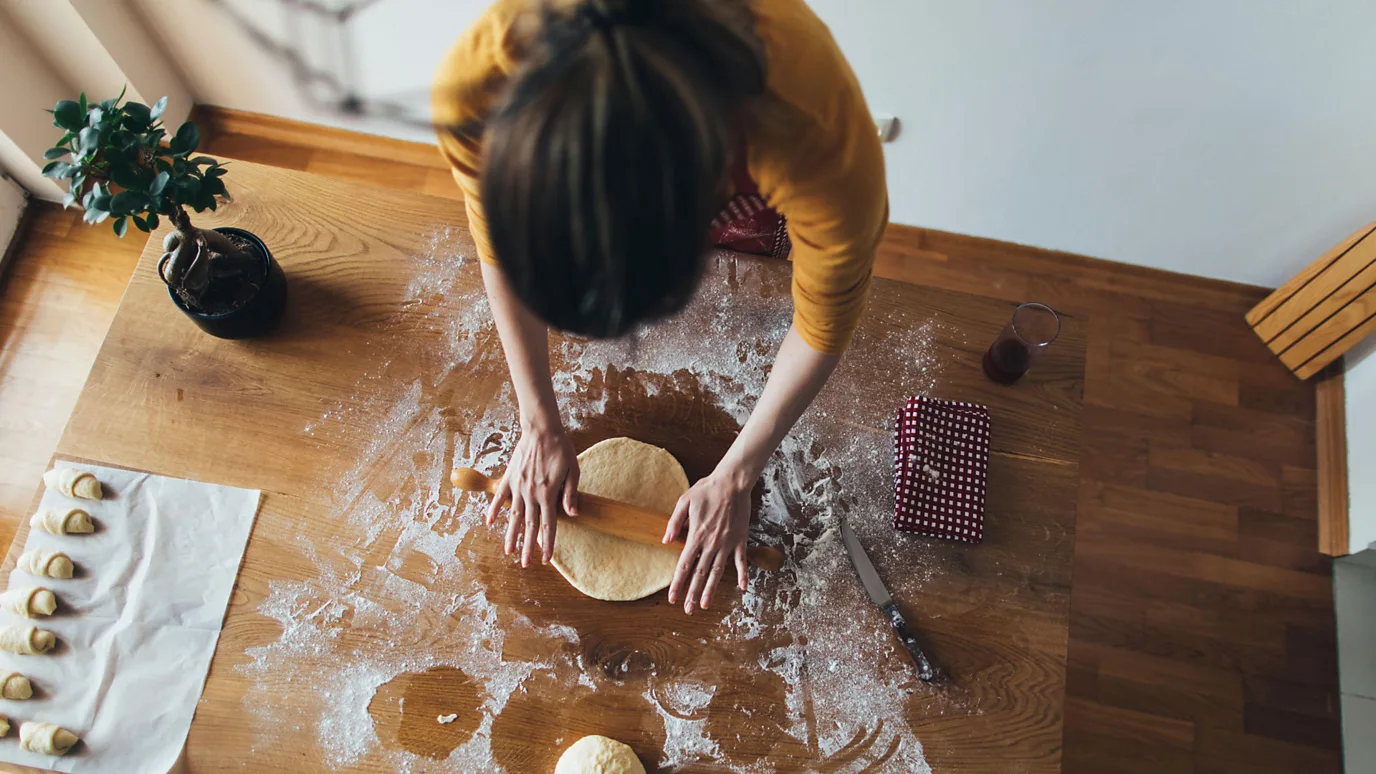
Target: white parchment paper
[136, 626]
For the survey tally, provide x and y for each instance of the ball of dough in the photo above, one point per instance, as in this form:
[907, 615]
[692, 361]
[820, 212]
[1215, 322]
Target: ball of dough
[46, 738]
[53, 564]
[605, 566]
[15, 686]
[72, 521]
[4, 725]
[597, 755]
[73, 483]
[29, 602]
[26, 640]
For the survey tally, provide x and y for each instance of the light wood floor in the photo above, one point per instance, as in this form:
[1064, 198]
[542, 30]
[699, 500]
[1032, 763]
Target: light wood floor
[1202, 636]
[57, 299]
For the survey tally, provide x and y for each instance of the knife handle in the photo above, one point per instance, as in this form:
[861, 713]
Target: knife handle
[925, 671]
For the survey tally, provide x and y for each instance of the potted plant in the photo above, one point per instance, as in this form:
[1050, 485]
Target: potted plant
[120, 164]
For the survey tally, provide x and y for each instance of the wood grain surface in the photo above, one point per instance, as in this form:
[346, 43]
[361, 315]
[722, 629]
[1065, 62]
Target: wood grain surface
[1324, 310]
[306, 416]
[1330, 425]
[1152, 685]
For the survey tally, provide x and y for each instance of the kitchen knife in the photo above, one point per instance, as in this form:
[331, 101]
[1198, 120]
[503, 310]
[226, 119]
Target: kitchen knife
[879, 595]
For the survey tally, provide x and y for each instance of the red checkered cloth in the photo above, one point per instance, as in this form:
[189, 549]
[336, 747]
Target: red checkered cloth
[747, 223]
[941, 468]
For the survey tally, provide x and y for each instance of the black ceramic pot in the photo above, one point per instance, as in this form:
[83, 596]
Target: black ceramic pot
[260, 313]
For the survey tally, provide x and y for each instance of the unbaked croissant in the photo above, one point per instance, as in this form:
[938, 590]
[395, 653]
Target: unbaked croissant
[26, 640]
[53, 564]
[29, 602]
[46, 738]
[15, 686]
[69, 521]
[73, 482]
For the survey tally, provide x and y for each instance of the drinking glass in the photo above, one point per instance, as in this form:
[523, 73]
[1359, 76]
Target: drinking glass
[1032, 328]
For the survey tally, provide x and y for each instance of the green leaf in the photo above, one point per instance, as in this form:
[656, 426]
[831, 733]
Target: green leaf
[121, 226]
[159, 183]
[152, 220]
[68, 199]
[101, 201]
[55, 153]
[90, 138]
[126, 175]
[96, 117]
[106, 104]
[68, 115]
[58, 170]
[82, 102]
[138, 113]
[187, 138]
[128, 201]
[142, 224]
[156, 111]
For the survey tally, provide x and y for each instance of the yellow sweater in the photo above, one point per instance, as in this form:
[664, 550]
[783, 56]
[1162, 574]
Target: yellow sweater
[812, 149]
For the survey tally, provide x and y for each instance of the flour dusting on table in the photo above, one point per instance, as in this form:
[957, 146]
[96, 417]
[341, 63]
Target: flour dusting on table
[392, 592]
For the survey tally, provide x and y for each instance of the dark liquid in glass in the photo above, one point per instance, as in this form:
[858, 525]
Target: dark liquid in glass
[1006, 361]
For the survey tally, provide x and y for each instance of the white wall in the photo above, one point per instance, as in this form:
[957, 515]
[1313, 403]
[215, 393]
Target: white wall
[1359, 386]
[27, 86]
[12, 205]
[55, 49]
[398, 44]
[1228, 138]
[1354, 598]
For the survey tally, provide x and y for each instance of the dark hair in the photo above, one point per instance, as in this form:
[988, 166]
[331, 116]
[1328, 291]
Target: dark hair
[605, 163]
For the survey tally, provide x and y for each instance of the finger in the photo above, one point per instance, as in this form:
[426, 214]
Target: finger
[713, 578]
[502, 495]
[676, 521]
[700, 571]
[549, 520]
[515, 518]
[532, 525]
[571, 493]
[682, 571]
[742, 567]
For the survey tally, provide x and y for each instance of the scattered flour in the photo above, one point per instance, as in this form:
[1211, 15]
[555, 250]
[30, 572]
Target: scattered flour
[401, 539]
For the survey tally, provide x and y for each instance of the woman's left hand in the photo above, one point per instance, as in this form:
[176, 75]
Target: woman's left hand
[716, 511]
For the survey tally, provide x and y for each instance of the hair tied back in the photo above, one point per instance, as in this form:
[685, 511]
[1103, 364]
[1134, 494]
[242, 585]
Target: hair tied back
[603, 15]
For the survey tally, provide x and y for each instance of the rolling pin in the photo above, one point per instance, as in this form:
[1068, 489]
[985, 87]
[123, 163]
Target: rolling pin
[616, 518]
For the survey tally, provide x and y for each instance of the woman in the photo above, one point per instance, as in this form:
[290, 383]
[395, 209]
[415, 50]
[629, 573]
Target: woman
[597, 143]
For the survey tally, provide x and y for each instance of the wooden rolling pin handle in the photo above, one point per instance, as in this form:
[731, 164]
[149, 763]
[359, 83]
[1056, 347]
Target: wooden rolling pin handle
[469, 480]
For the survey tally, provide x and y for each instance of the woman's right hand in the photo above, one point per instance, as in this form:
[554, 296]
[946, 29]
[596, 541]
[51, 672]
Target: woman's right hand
[540, 481]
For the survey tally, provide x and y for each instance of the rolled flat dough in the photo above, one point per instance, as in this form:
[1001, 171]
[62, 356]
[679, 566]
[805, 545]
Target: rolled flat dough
[598, 754]
[605, 566]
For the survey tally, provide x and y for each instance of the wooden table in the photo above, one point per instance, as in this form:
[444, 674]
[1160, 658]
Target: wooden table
[371, 601]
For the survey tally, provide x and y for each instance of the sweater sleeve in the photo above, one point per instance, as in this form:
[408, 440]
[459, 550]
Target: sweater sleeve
[817, 159]
[466, 88]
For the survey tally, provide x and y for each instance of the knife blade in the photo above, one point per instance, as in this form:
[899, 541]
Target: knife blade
[880, 596]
